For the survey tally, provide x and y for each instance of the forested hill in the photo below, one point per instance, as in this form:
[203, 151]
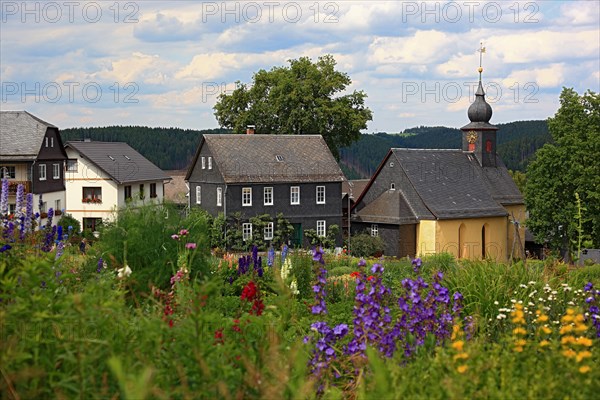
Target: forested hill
[517, 142]
[168, 148]
[173, 148]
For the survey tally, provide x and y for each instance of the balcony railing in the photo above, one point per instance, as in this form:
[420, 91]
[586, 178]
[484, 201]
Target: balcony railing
[12, 186]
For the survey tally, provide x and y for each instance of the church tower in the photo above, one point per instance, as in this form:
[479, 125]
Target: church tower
[479, 136]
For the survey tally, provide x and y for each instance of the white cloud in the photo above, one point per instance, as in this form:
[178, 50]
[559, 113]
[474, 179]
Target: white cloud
[549, 77]
[423, 47]
[579, 13]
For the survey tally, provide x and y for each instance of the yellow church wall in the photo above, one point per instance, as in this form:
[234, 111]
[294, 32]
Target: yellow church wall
[426, 237]
[519, 215]
[466, 235]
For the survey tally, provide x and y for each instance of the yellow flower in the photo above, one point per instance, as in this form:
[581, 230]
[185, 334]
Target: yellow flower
[463, 368]
[518, 349]
[542, 318]
[587, 342]
[566, 329]
[546, 330]
[461, 356]
[584, 369]
[580, 328]
[455, 332]
[567, 340]
[579, 318]
[520, 342]
[569, 353]
[458, 345]
[544, 343]
[582, 355]
[570, 311]
[519, 331]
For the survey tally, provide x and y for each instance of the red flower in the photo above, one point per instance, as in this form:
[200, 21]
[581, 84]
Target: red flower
[249, 292]
[355, 274]
[257, 307]
[370, 278]
[170, 323]
[219, 336]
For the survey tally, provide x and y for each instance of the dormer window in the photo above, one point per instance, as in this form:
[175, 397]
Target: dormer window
[51, 142]
[279, 158]
[392, 186]
[111, 158]
[46, 141]
[203, 160]
[126, 157]
[209, 162]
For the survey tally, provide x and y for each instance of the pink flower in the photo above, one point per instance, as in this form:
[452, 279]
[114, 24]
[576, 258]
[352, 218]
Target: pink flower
[190, 246]
[175, 237]
[183, 232]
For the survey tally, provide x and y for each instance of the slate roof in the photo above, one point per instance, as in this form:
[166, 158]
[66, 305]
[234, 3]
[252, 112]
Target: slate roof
[358, 185]
[21, 135]
[450, 183]
[442, 184]
[271, 158]
[390, 207]
[119, 160]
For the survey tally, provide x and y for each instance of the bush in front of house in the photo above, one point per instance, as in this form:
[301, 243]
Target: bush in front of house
[365, 245]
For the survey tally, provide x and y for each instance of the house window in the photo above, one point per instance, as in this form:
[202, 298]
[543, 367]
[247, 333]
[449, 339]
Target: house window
[44, 207]
[268, 196]
[46, 141]
[92, 224]
[488, 146]
[198, 194]
[71, 165]
[127, 192]
[374, 230]
[12, 208]
[320, 194]
[42, 172]
[219, 197]
[51, 142]
[57, 205]
[246, 231]
[92, 195]
[55, 171]
[8, 172]
[153, 191]
[295, 195]
[203, 159]
[246, 196]
[142, 194]
[392, 186]
[321, 228]
[269, 231]
[209, 162]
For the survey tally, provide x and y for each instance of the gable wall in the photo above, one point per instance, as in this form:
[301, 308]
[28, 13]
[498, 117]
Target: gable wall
[447, 238]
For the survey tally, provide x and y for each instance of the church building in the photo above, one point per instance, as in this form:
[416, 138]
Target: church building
[463, 202]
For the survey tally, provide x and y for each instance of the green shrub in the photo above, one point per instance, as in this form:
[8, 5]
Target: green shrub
[365, 245]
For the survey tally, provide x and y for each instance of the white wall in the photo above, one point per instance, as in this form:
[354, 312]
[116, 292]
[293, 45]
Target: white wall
[88, 175]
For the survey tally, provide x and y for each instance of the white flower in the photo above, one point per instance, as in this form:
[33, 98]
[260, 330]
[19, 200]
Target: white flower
[523, 286]
[294, 287]
[531, 282]
[123, 272]
[500, 316]
[513, 301]
[496, 302]
[530, 304]
[286, 268]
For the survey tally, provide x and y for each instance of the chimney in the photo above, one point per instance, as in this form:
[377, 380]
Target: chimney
[87, 140]
[250, 130]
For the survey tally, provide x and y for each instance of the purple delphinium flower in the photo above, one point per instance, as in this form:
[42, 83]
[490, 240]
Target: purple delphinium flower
[416, 264]
[19, 201]
[318, 255]
[592, 300]
[362, 262]
[320, 293]
[60, 242]
[284, 253]
[271, 257]
[28, 211]
[100, 265]
[4, 198]
[324, 352]
[5, 248]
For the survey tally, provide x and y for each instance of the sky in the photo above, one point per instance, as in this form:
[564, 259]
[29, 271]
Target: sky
[164, 63]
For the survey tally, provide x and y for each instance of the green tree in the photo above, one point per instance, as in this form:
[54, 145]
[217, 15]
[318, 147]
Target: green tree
[303, 98]
[519, 178]
[569, 165]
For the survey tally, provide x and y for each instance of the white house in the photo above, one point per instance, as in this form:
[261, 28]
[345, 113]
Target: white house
[104, 176]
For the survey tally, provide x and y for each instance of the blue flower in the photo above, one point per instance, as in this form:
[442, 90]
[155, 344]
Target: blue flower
[318, 255]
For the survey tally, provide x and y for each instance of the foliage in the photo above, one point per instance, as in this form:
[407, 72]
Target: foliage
[168, 148]
[563, 168]
[304, 98]
[365, 245]
[68, 220]
[517, 143]
[283, 230]
[519, 178]
[327, 241]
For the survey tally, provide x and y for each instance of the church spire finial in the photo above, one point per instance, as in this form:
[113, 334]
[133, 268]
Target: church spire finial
[481, 51]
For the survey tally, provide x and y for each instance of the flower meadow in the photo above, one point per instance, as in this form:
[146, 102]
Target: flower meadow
[149, 312]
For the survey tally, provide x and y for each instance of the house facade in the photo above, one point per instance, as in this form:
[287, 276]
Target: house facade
[463, 202]
[295, 175]
[102, 177]
[32, 154]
